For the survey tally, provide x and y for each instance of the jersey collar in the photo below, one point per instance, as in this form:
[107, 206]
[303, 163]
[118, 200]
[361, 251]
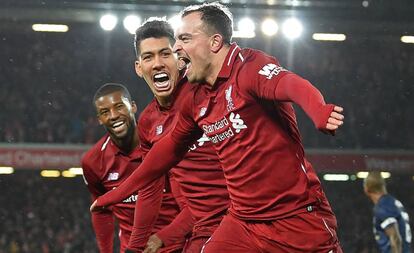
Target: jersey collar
[228, 63]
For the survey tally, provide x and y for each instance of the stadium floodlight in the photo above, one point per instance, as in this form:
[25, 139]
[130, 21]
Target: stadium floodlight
[245, 28]
[336, 177]
[175, 21]
[385, 174]
[50, 173]
[329, 36]
[362, 174]
[292, 28]
[76, 171]
[131, 23]
[6, 170]
[108, 22]
[407, 39]
[67, 173]
[50, 28]
[269, 27]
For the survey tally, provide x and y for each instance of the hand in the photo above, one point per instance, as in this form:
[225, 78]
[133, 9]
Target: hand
[335, 120]
[95, 208]
[154, 244]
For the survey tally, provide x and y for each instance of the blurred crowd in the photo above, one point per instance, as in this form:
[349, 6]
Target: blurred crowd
[44, 215]
[51, 215]
[48, 80]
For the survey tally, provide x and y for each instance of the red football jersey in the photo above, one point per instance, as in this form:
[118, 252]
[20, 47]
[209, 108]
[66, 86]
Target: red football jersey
[255, 135]
[105, 167]
[248, 116]
[199, 174]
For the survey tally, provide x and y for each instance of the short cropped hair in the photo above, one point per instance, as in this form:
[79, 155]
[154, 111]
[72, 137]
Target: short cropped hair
[110, 88]
[374, 182]
[216, 17]
[153, 27]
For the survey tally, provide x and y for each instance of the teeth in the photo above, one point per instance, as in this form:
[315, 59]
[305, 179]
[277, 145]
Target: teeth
[161, 75]
[184, 59]
[117, 124]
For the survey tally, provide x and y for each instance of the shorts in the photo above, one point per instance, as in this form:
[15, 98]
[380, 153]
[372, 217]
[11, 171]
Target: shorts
[310, 231]
[174, 248]
[198, 238]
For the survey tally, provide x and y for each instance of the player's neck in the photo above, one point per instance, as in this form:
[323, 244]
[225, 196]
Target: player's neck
[217, 64]
[164, 102]
[375, 197]
[126, 145]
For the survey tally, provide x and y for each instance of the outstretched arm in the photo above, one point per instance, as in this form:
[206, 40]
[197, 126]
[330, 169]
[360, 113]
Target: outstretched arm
[164, 155]
[326, 117]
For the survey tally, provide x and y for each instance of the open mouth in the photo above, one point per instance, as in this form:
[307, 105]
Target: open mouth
[119, 126]
[161, 81]
[183, 62]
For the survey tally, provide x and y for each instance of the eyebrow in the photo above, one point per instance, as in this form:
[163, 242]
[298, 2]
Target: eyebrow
[180, 36]
[159, 51]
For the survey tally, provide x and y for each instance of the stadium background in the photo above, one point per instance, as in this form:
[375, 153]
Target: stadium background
[47, 81]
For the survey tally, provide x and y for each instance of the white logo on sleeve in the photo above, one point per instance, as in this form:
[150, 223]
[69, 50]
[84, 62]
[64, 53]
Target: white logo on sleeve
[203, 111]
[269, 70]
[230, 105]
[113, 176]
[238, 123]
[158, 130]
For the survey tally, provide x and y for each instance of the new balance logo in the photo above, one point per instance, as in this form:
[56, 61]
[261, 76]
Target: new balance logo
[158, 130]
[113, 176]
[269, 70]
[203, 111]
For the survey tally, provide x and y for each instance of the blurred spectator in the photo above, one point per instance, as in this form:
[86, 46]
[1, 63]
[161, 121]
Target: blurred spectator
[47, 82]
[50, 215]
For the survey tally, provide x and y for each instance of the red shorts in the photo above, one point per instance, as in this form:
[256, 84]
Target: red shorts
[198, 238]
[313, 231]
[175, 248]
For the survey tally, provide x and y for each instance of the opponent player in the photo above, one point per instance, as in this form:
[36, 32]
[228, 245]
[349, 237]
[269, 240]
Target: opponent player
[391, 221]
[199, 175]
[244, 106]
[111, 160]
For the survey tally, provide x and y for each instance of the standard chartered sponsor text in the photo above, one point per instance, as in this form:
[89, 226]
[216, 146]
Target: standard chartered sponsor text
[215, 126]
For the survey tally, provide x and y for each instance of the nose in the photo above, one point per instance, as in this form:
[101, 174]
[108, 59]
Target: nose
[158, 62]
[177, 46]
[114, 114]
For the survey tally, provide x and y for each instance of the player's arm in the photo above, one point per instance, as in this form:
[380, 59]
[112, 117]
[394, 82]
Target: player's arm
[164, 155]
[180, 227]
[269, 81]
[294, 88]
[146, 213]
[102, 221]
[395, 238]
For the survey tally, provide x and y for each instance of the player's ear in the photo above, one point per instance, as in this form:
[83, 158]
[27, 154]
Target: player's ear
[100, 121]
[134, 107]
[216, 42]
[138, 68]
